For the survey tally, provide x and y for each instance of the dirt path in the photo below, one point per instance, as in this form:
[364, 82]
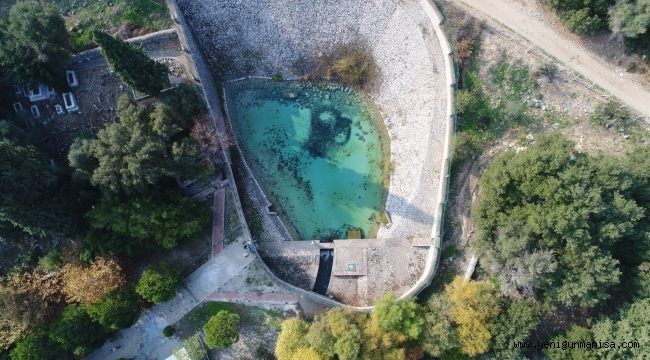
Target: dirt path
[513, 16]
[218, 223]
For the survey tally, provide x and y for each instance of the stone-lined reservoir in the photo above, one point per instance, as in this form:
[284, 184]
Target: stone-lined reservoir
[280, 38]
[320, 152]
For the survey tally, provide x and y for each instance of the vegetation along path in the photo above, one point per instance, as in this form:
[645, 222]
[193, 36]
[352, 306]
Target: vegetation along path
[578, 59]
[143, 340]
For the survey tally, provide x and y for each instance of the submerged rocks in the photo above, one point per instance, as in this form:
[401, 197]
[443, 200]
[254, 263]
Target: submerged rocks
[329, 129]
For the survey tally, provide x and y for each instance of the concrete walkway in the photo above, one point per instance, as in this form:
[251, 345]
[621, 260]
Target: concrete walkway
[144, 340]
[580, 60]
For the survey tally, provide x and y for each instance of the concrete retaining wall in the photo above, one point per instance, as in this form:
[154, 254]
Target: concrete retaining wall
[431, 267]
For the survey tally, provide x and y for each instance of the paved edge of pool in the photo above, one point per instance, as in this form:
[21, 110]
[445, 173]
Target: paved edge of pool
[208, 86]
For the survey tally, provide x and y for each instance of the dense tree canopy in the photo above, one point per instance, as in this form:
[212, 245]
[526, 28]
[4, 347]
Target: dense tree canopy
[35, 44]
[75, 332]
[132, 64]
[130, 155]
[291, 338]
[144, 147]
[574, 334]
[392, 331]
[630, 18]
[513, 325]
[26, 183]
[583, 16]
[439, 335]
[128, 226]
[633, 324]
[37, 346]
[551, 221]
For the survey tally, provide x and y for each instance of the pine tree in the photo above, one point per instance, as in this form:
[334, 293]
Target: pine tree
[132, 64]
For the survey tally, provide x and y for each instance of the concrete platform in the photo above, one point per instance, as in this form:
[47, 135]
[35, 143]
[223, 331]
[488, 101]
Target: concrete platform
[363, 270]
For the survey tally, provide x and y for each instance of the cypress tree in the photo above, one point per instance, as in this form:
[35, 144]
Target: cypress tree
[132, 64]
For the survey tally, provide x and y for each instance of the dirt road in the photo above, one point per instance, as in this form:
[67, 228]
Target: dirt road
[513, 16]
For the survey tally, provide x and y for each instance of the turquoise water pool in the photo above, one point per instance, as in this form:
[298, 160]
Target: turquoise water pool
[319, 151]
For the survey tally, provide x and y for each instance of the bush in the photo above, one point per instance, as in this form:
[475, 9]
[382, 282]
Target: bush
[194, 349]
[116, 310]
[222, 330]
[352, 68]
[548, 70]
[583, 16]
[608, 114]
[580, 22]
[52, 261]
[168, 331]
[158, 283]
[466, 146]
[349, 64]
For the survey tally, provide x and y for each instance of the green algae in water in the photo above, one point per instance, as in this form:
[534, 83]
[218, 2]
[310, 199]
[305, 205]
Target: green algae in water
[319, 152]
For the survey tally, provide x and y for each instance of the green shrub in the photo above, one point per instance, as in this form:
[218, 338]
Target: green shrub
[194, 349]
[580, 22]
[52, 261]
[466, 145]
[222, 330]
[610, 113]
[158, 283]
[115, 310]
[168, 331]
[583, 16]
[82, 40]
